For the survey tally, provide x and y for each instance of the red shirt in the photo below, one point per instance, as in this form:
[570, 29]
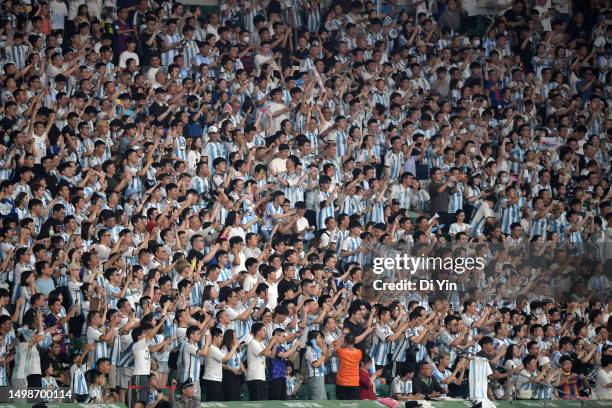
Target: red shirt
[366, 389]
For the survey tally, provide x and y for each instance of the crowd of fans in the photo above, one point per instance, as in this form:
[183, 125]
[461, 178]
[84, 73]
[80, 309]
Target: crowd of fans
[195, 198]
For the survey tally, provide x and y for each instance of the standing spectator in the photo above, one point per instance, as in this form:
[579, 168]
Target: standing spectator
[348, 376]
[317, 353]
[213, 373]
[256, 362]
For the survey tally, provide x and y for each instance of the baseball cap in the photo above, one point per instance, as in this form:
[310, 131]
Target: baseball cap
[543, 360]
[188, 383]
[213, 129]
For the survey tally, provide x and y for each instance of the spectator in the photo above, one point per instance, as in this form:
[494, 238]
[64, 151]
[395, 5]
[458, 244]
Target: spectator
[349, 374]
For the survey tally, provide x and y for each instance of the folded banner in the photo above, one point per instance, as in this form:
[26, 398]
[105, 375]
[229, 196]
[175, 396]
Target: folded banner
[480, 370]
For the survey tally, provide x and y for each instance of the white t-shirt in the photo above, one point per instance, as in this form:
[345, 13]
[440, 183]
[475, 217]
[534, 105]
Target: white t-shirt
[602, 379]
[40, 147]
[249, 282]
[74, 8]
[272, 294]
[58, 12]
[214, 364]
[126, 55]
[276, 122]
[260, 59]
[278, 165]
[257, 362]
[142, 358]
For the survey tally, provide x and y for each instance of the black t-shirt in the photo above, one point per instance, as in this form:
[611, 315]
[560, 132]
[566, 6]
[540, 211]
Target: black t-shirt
[223, 46]
[158, 110]
[148, 50]
[67, 130]
[578, 366]
[356, 330]
[8, 123]
[111, 183]
[439, 201]
[51, 225]
[515, 17]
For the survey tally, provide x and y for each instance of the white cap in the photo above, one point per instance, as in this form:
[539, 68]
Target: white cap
[213, 129]
[543, 360]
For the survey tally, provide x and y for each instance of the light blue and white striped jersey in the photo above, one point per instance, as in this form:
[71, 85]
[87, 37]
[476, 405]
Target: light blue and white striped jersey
[341, 235]
[575, 236]
[18, 55]
[538, 226]
[93, 336]
[401, 345]
[326, 211]
[78, 383]
[421, 353]
[189, 362]
[351, 244]
[394, 161]
[190, 50]
[115, 351]
[313, 138]
[233, 362]
[313, 353]
[292, 382]
[181, 148]
[380, 99]
[3, 374]
[195, 296]
[446, 338]
[403, 195]
[479, 219]
[168, 56]
[127, 357]
[351, 205]
[294, 191]
[456, 199]
[559, 225]
[199, 184]
[214, 150]
[380, 345]
[519, 156]
[242, 327]
[474, 191]
[377, 211]
[480, 370]
[331, 364]
[112, 300]
[164, 355]
[270, 211]
[510, 214]
[341, 139]
[599, 283]
[313, 19]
